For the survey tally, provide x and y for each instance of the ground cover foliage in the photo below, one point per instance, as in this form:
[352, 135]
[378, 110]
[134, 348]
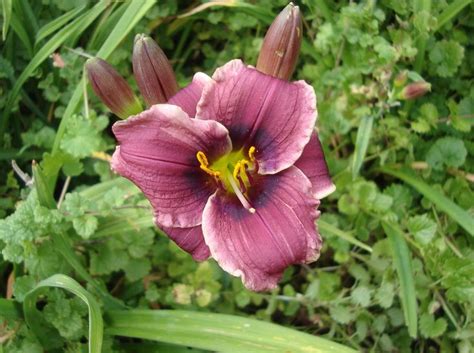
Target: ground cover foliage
[396, 270]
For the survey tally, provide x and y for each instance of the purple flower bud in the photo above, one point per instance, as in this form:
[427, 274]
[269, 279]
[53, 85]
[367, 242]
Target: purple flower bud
[112, 89]
[282, 43]
[153, 71]
[415, 90]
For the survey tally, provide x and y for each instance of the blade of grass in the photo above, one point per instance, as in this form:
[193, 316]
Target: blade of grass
[361, 144]
[34, 319]
[463, 218]
[259, 12]
[106, 24]
[450, 12]
[78, 25]
[326, 227]
[216, 332]
[7, 14]
[402, 259]
[57, 23]
[134, 13]
[156, 347]
[28, 14]
[22, 34]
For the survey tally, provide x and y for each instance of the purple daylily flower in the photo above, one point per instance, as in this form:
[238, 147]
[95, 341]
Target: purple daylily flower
[242, 180]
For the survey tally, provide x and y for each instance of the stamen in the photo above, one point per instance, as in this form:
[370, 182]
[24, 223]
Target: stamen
[251, 153]
[243, 188]
[243, 200]
[204, 164]
[248, 175]
[201, 157]
[209, 171]
[236, 171]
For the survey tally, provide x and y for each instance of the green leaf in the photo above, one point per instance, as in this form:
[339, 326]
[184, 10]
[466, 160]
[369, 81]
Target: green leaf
[384, 295]
[402, 259]
[137, 269]
[447, 151]
[460, 118]
[10, 309]
[65, 315]
[427, 119]
[361, 144]
[22, 286]
[83, 136]
[341, 314]
[33, 316]
[446, 56]
[75, 204]
[108, 260]
[422, 228]
[216, 332]
[361, 296]
[85, 225]
[463, 218]
[431, 328]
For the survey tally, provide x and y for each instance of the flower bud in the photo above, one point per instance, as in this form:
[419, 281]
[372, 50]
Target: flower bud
[415, 90]
[153, 71]
[112, 89]
[282, 43]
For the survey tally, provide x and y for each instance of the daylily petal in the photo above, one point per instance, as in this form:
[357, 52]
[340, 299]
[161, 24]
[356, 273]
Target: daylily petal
[190, 240]
[188, 97]
[259, 246]
[157, 151]
[313, 165]
[275, 116]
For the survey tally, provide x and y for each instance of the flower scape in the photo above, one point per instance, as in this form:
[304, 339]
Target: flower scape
[231, 164]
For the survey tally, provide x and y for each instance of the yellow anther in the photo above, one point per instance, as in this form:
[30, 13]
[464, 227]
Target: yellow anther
[236, 172]
[252, 151]
[204, 164]
[201, 157]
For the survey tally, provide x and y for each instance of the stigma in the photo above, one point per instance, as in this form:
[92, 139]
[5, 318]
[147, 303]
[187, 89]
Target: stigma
[233, 173]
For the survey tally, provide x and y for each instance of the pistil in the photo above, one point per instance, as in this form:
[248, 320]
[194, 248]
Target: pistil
[243, 200]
